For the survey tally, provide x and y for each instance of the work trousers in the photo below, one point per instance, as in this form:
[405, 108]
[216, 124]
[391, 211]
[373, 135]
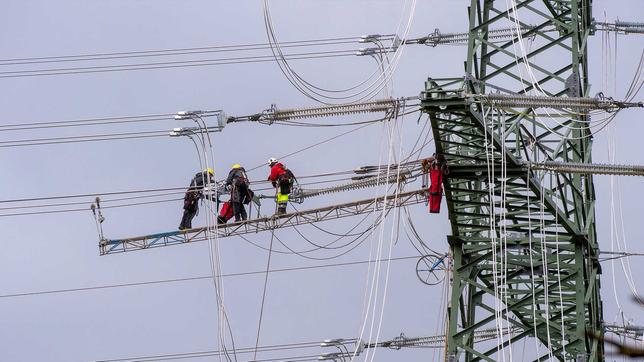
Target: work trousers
[239, 211]
[283, 190]
[190, 208]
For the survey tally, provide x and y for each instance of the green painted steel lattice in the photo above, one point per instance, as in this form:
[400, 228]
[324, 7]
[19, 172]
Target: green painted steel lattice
[537, 268]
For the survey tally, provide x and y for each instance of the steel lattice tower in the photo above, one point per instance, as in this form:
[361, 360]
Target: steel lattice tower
[527, 257]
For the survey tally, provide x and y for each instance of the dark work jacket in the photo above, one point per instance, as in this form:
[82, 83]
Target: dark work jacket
[194, 192]
[238, 181]
[200, 180]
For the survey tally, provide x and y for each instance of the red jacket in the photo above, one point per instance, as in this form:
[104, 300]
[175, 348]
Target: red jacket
[276, 171]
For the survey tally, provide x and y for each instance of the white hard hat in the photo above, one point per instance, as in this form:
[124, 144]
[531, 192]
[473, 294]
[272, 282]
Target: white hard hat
[272, 161]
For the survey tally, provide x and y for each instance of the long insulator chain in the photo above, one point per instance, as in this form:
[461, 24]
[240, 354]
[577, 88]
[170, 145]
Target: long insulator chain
[630, 26]
[589, 168]
[437, 38]
[403, 341]
[369, 182]
[626, 27]
[575, 103]
[384, 105]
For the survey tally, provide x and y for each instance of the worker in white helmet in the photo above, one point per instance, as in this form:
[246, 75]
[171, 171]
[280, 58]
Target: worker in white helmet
[282, 179]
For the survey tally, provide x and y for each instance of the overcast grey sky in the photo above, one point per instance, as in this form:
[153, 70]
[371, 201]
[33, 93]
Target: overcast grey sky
[59, 251]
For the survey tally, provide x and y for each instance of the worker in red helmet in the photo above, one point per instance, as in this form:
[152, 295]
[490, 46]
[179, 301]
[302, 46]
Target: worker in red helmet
[282, 179]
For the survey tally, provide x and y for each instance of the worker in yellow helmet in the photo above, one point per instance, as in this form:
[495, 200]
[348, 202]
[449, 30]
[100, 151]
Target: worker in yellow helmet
[240, 193]
[193, 195]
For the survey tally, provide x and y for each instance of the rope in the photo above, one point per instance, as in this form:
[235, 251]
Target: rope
[261, 311]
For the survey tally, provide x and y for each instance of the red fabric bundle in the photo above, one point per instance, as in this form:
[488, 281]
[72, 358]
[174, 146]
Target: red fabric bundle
[435, 190]
[226, 212]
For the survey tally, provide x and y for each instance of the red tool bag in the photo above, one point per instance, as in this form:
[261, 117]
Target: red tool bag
[435, 189]
[226, 213]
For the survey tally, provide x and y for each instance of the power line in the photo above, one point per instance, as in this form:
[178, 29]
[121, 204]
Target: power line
[90, 195]
[177, 188]
[103, 201]
[154, 135]
[126, 135]
[176, 64]
[268, 348]
[87, 209]
[173, 51]
[87, 122]
[91, 136]
[176, 280]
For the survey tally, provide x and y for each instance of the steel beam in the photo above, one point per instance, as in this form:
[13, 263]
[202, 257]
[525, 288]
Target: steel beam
[113, 246]
[523, 241]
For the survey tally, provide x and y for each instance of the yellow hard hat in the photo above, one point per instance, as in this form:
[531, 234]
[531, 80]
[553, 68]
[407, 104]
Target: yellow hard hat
[235, 166]
[209, 170]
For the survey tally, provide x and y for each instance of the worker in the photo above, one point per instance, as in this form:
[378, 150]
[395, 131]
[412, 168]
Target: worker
[240, 193]
[282, 179]
[193, 195]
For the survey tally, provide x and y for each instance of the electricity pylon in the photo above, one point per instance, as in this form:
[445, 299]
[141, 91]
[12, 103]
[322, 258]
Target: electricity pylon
[523, 242]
